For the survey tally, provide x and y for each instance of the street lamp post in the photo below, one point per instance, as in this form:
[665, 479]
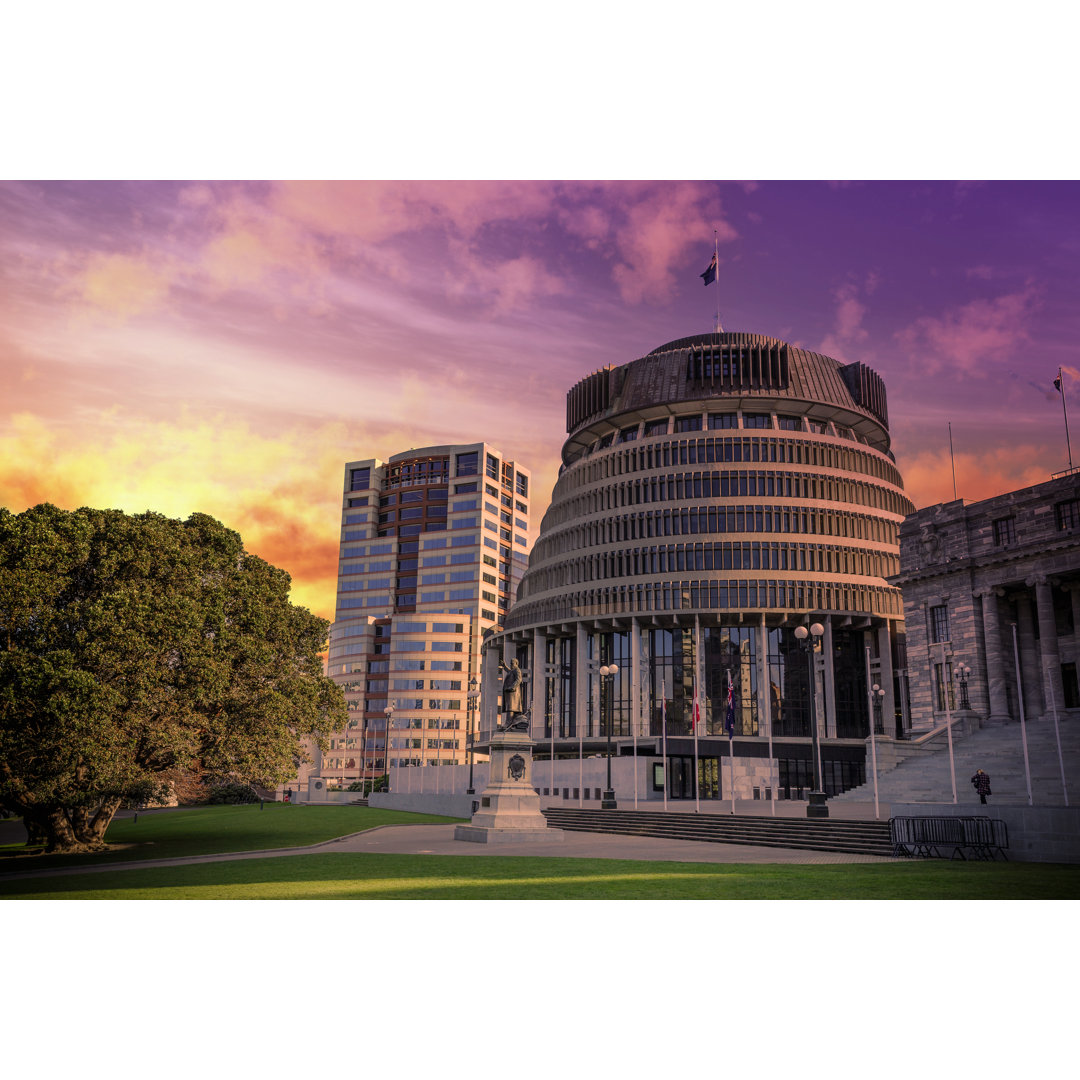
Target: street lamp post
[879, 720]
[808, 639]
[389, 711]
[608, 801]
[963, 673]
[473, 697]
[878, 696]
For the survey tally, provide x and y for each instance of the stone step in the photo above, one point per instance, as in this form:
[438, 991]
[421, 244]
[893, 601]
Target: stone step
[853, 837]
[925, 777]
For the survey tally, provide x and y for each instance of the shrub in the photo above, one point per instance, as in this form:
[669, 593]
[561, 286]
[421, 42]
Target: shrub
[232, 793]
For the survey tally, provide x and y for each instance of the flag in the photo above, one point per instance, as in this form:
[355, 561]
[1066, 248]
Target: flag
[697, 713]
[1057, 384]
[710, 272]
[729, 719]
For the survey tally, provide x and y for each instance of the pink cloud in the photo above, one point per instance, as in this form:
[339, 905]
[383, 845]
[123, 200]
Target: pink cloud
[969, 336]
[659, 230]
[850, 311]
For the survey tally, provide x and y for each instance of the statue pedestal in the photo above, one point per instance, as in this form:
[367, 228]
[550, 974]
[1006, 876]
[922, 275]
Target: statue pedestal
[509, 806]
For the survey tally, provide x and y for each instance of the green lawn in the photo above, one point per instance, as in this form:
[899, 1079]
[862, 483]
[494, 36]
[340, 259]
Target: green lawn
[212, 830]
[348, 876]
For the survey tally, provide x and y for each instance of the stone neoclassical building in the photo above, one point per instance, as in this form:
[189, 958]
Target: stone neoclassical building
[996, 585]
[714, 495]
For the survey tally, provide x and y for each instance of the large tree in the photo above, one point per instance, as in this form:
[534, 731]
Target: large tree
[133, 646]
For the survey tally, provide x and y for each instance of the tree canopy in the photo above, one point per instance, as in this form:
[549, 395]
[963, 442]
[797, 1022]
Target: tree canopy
[134, 646]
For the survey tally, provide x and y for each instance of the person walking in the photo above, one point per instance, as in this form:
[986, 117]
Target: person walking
[981, 782]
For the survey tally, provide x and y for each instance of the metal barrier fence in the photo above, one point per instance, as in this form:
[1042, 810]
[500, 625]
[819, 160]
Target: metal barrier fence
[982, 837]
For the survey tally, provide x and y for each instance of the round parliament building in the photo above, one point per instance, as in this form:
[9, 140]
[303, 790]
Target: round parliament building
[715, 496]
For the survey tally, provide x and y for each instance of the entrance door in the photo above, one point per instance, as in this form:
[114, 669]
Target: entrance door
[681, 775]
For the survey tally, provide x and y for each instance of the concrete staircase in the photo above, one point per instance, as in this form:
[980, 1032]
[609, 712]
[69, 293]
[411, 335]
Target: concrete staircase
[923, 777]
[854, 837]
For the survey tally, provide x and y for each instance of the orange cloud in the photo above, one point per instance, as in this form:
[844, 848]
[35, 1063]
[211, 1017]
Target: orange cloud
[928, 476]
[123, 285]
[281, 493]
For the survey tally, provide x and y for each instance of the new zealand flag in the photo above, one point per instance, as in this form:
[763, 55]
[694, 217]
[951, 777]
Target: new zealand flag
[710, 272]
[729, 717]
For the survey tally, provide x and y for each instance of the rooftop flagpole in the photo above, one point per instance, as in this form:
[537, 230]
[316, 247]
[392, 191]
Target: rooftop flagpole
[1059, 384]
[716, 256]
[712, 273]
[952, 459]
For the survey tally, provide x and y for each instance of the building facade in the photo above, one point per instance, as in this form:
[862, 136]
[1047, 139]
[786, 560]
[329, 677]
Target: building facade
[713, 496]
[994, 585]
[433, 547]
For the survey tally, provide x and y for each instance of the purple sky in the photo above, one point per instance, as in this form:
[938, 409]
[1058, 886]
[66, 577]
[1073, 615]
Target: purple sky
[226, 347]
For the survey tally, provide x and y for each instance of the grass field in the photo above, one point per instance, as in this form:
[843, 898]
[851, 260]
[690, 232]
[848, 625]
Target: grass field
[344, 875]
[213, 830]
[461, 877]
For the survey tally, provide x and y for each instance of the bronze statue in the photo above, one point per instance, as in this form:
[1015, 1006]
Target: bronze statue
[516, 718]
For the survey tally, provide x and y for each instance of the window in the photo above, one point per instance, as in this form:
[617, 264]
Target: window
[468, 464]
[522, 486]
[656, 427]
[723, 420]
[362, 501]
[463, 489]
[688, 423]
[628, 434]
[939, 624]
[359, 479]
[756, 420]
[493, 467]
[1068, 514]
[788, 423]
[1005, 531]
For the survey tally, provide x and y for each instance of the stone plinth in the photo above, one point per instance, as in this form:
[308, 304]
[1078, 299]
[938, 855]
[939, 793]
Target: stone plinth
[509, 806]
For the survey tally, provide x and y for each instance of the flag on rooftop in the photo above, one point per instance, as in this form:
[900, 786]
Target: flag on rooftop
[710, 272]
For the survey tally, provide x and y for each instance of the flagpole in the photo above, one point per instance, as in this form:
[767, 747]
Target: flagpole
[953, 461]
[730, 722]
[697, 784]
[1060, 384]
[663, 734]
[716, 255]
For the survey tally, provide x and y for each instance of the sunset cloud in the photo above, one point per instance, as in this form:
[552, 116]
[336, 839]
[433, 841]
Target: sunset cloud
[928, 475]
[122, 285]
[966, 338]
[281, 493]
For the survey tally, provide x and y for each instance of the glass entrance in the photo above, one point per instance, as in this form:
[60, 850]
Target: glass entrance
[681, 777]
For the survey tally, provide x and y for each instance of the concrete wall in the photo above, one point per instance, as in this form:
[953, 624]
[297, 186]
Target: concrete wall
[1036, 833]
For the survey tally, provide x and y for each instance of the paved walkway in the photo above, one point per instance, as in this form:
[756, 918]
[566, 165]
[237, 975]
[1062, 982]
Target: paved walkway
[439, 840]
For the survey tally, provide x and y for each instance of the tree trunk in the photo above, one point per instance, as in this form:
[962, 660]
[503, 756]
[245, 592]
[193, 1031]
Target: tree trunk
[56, 828]
[90, 827]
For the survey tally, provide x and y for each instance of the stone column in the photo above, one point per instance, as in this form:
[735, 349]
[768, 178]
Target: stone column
[581, 683]
[1029, 657]
[997, 660]
[1050, 666]
[537, 696]
[828, 682]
